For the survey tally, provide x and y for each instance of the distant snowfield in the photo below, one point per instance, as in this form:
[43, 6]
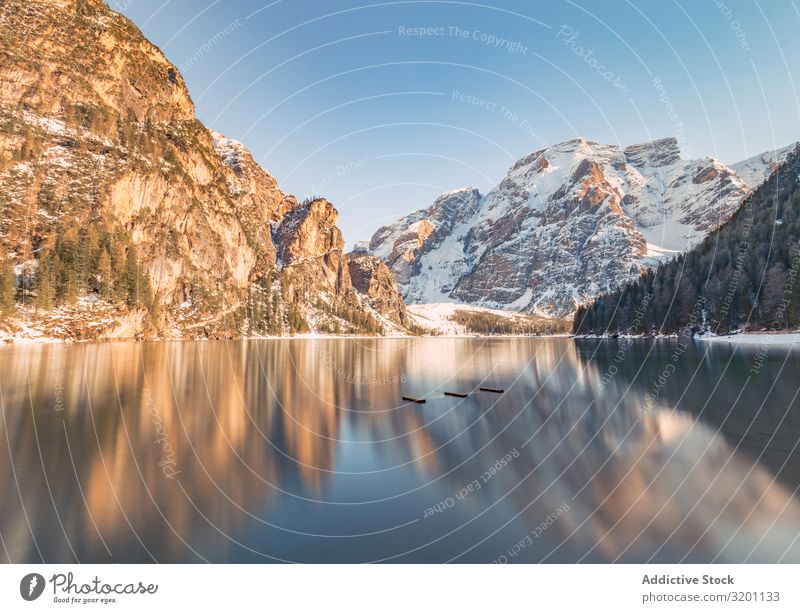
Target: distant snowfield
[755, 339]
[438, 316]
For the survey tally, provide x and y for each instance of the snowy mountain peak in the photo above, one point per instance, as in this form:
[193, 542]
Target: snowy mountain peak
[565, 224]
[456, 192]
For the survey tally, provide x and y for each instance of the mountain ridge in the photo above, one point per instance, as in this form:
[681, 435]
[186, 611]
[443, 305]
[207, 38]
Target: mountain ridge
[565, 224]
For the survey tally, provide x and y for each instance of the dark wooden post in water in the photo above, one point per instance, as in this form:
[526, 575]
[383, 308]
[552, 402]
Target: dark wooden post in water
[494, 390]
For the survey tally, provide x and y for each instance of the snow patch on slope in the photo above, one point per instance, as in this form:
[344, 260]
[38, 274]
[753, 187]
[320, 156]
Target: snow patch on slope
[755, 170]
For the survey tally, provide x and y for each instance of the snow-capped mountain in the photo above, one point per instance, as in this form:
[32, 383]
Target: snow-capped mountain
[565, 224]
[427, 236]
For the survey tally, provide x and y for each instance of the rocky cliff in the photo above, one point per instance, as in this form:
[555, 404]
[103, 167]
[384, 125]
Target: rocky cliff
[565, 224]
[422, 236]
[123, 216]
[373, 279]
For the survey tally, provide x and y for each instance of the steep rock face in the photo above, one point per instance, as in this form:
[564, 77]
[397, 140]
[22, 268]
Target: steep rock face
[565, 224]
[425, 234]
[99, 131]
[374, 279]
[311, 252]
[676, 202]
[59, 54]
[113, 194]
[251, 183]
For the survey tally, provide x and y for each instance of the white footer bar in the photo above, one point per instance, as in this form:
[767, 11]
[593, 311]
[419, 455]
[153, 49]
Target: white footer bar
[401, 588]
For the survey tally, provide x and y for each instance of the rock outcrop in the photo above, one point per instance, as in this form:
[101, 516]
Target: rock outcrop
[311, 251]
[421, 235]
[373, 279]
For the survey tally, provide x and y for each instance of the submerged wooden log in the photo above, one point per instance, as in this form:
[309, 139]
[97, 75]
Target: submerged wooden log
[456, 394]
[417, 400]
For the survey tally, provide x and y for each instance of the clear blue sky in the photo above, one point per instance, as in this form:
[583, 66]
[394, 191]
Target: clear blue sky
[345, 99]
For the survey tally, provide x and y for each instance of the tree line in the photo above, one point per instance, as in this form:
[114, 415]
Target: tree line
[93, 259]
[478, 322]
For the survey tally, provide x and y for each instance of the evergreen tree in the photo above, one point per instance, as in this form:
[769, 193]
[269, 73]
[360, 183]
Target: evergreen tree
[793, 308]
[118, 266]
[132, 278]
[8, 287]
[43, 282]
[72, 290]
[104, 276]
[773, 308]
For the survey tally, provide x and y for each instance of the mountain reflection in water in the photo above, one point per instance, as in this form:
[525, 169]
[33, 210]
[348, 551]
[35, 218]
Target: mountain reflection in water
[301, 450]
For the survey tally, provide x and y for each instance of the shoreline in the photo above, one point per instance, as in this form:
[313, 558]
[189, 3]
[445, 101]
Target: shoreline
[745, 338]
[12, 341]
[751, 338]
[754, 338]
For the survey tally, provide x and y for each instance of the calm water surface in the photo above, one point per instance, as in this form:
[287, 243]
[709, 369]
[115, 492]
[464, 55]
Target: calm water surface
[303, 451]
